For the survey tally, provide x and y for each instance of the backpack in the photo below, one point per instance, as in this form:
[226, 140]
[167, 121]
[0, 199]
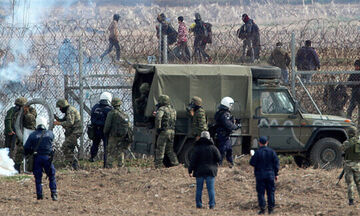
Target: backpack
[172, 35]
[208, 33]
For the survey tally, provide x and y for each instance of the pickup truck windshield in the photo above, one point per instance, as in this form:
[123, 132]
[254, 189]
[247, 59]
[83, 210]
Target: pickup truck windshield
[276, 103]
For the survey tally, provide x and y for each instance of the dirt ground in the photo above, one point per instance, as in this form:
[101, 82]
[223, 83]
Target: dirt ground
[170, 191]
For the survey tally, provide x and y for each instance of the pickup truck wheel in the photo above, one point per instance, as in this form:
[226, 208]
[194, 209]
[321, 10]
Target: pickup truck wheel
[185, 154]
[326, 153]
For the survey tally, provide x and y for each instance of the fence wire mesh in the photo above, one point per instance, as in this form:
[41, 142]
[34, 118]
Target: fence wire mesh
[42, 61]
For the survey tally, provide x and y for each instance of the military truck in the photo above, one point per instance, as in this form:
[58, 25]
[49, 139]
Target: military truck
[264, 107]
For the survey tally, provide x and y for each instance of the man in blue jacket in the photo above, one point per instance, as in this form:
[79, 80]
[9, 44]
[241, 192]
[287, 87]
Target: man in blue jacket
[40, 144]
[266, 164]
[98, 117]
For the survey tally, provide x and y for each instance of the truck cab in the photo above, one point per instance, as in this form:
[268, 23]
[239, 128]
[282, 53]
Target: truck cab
[264, 107]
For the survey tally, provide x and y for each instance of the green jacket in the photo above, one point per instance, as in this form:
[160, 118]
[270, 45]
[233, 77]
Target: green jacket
[71, 121]
[352, 149]
[199, 123]
[116, 124]
[279, 58]
[10, 120]
[165, 118]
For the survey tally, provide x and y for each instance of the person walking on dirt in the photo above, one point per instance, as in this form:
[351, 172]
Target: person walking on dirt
[40, 145]
[204, 166]
[250, 34]
[200, 42]
[355, 90]
[72, 125]
[351, 149]
[225, 124]
[307, 60]
[113, 38]
[198, 117]
[98, 118]
[182, 40]
[165, 119]
[266, 168]
[280, 58]
[117, 130]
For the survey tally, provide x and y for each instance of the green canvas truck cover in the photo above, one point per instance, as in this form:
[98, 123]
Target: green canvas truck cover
[210, 82]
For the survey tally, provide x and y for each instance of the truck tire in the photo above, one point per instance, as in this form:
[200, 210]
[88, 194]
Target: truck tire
[185, 154]
[326, 151]
[265, 72]
[19, 127]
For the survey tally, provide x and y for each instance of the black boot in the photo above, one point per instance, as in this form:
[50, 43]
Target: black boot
[17, 167]
[351, 202]
[262, 211]
[270, 210]
[54, 196]
[91, 159]
[75, 165]
[39, 197]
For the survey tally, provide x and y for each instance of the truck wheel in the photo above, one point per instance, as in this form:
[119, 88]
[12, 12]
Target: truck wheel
[185, 154]
[326, 153]
[265, 72]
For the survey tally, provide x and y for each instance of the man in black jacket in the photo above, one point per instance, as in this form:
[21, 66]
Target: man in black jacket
[266, 167]
[40, 144]
[203, 165]
[98, 117]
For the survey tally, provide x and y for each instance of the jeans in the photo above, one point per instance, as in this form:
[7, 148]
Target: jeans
[42, 162]
[210, 185]
[266, 184]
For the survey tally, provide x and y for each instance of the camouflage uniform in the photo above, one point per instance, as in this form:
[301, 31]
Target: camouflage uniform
[165, 124]
[352, 164]
[199, 123]
[11, 141]
[116, 128]
[140, 102]
[72, 125]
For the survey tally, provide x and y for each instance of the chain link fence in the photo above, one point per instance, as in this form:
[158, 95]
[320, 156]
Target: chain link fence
[42, 61]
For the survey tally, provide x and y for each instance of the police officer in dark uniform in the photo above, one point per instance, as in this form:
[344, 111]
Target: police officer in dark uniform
[225, 124]
[266, 167]
[98, 117]
[40, 144]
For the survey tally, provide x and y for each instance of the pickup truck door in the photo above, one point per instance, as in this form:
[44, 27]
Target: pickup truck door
[278, 120]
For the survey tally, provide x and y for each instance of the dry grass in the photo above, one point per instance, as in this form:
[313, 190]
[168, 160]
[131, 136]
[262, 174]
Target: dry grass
[146, 191]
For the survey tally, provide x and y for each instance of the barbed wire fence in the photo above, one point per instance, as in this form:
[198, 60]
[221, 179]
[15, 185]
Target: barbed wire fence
[47, 55]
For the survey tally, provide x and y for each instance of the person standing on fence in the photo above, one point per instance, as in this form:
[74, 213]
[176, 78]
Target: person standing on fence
[201, 35]
[40, 145]
[113, 38]
[165, 119]
[204, 162]
[280, 58]
[355, 90]
[307, 60]
[266, 168]
[98, 118]
[16, 149]
[182, 40]
[250, 34]
[72, 125]
[118, 132]
[351, 149]
[335, 98]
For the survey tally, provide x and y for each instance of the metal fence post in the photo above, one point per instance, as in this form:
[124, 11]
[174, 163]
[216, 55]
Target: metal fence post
[160, 53]
[81, 150]
[165, 50]
[293, 72]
